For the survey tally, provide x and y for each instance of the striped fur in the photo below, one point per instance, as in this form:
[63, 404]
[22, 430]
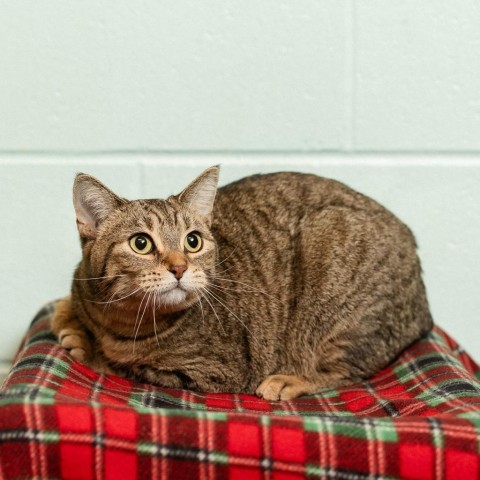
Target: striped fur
[301, 284]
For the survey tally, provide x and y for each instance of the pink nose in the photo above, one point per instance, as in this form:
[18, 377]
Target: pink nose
[177, 270]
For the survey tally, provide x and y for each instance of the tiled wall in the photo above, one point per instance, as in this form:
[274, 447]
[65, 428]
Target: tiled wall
[382, 95]
[271, 75]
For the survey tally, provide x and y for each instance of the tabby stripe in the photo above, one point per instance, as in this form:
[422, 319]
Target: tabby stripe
[107, 258]
[127, 338]
[163, 210]
[94, 324]
[295, 263]
[99, 326]
[172, 216]
[148, 218]
[124, 338]
[175, 218]
[185, 380]
[376, 272]
[105, 329]
[161, 221]
[90, 319]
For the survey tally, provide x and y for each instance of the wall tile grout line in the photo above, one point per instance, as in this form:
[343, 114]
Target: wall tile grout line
[72, 155]
[350, 78]
[144, 161]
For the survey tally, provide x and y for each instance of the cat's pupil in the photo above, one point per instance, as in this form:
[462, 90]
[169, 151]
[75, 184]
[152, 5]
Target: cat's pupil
[192, 240]
[141, 243]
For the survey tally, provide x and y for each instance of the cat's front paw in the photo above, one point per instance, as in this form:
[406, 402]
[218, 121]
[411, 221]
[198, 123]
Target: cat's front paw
[76, 343]
[285, 387]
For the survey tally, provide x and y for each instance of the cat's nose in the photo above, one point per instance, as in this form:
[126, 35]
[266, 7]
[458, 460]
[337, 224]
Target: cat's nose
[177, 270]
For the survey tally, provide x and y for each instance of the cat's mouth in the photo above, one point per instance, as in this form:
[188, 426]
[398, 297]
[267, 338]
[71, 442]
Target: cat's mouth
[173, 295]
[177, 294]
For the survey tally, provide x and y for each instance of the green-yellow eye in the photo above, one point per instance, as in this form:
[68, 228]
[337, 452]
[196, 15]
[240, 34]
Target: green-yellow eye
[141, 244]
[193, 242]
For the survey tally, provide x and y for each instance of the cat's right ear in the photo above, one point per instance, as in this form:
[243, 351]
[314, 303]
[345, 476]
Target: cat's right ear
[200, 194]
[93, 203]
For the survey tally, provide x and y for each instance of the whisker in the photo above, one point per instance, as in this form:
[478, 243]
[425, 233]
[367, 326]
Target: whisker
[234, 292]
[101, 292]
[98, 278]
[227, 257]
[154, 320]
[251, 287]
[108, 303]
[220, 272]
[118, 299]
[112, 296]
[143, 313]
[144, 310]
[197, 294]
[226, 289]
[136, 320]
[236, 316]
[213, 308]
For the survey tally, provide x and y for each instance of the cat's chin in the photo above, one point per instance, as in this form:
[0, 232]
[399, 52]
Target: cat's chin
[174, 297]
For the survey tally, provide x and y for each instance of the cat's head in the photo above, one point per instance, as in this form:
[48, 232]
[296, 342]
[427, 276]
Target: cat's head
[152, 251]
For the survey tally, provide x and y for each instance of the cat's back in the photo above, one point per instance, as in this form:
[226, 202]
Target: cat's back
[285, 197]
[266, 218]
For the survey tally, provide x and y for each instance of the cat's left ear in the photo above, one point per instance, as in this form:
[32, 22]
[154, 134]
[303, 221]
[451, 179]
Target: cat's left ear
[200, 194]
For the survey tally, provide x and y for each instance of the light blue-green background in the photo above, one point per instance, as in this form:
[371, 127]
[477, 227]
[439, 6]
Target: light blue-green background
[382, 95]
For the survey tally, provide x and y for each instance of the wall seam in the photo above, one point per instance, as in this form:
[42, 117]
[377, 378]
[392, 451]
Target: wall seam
[350, 80]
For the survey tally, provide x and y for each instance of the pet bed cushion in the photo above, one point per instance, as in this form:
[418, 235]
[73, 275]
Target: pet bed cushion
[418, 418]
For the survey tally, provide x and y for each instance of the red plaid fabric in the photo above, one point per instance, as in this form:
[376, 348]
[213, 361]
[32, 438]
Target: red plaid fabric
[417, 419]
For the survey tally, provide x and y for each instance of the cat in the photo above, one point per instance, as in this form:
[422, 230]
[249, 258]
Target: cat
[280, 284]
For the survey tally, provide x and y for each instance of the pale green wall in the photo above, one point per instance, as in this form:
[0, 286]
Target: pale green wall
[382, 95]
[189, 75]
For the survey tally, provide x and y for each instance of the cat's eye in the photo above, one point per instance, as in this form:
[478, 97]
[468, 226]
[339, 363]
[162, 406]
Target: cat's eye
[193, 242]
[141, 244]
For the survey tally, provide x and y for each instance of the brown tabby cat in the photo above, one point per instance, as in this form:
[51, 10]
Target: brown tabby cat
[282, 284]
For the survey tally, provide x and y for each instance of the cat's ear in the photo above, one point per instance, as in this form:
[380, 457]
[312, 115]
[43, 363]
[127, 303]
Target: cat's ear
[200, 194]
[93, 202]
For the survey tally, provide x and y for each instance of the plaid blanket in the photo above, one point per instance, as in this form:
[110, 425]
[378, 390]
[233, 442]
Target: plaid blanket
[418, 418]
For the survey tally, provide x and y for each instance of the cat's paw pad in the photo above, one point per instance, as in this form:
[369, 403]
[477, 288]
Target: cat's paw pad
[284, 387]
[76, 343]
